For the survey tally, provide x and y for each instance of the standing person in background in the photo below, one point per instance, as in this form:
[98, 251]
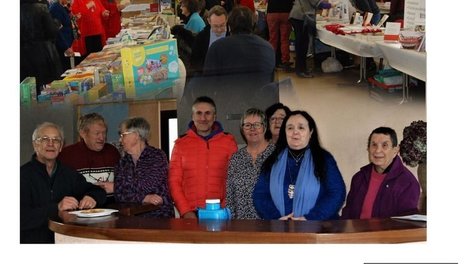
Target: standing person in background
[92, 156]
[47, 187]
[279, 29]
[200, 158]
[396, 13]
[216, 29]
[247, 3]
[226, 4]
[191, 8]
[59, 11]
[275, 114]
[113, 24]
[141, 174]
[300, 180]
[385, 187]
[368, 6]
[90, 14]
[38, 55]
[243, 55]
[304, 31]
[245, 165]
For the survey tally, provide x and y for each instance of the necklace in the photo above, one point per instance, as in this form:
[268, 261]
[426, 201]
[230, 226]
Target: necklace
[291, 188]
[298, 157]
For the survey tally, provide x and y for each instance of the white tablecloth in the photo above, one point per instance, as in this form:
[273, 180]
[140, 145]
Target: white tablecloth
[350, 43]
[408, 61]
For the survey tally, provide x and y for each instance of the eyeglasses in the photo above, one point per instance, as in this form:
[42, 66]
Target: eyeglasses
[256, 125]
[45, 140]
[276, 119]
[126, 133]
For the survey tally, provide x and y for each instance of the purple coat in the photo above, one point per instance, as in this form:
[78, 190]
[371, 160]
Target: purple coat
[398, 194]
[148, 176]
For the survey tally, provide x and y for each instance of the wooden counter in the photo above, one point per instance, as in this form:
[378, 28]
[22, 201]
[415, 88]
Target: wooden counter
[122, 228]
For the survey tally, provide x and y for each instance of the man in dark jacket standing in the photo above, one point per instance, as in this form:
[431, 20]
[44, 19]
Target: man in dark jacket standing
[47, 187]
[237, 72]
[216, 29]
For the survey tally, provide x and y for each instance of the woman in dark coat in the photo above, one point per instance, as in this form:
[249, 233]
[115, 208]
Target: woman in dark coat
[38, 54]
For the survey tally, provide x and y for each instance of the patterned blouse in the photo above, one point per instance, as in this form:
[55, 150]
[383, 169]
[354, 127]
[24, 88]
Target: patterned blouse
[148, 176]
[241, 179]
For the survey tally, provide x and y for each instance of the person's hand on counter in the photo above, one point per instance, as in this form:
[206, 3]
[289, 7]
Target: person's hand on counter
[190, 214]
[68, 203]
[153, 199]
[87, 202]
[301, 218]
[286, 217]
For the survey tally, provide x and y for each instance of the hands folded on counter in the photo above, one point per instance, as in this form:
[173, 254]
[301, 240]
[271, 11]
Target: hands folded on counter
[291, 217]
[153, 199]
[70, 203]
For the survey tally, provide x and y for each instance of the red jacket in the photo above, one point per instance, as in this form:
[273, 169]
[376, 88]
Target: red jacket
[90, 22]
[112, 24]
[198, 169]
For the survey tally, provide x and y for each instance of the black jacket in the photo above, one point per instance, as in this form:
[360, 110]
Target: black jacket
[200, 49]
[41, 193]
[38, 54]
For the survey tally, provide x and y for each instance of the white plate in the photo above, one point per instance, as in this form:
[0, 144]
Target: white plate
[96, 212]
[414, 217]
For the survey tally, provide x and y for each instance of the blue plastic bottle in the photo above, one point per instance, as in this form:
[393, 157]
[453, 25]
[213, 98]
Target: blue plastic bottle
[213, 211]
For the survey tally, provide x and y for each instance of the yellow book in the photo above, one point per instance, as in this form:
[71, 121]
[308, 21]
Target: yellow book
[149, 68]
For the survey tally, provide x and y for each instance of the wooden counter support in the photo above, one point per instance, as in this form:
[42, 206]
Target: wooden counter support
[134, 228]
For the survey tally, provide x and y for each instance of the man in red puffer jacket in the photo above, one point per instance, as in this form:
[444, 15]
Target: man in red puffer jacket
[199, 162]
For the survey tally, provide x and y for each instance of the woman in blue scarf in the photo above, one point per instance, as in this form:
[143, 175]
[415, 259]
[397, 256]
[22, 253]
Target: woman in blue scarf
[300, 180]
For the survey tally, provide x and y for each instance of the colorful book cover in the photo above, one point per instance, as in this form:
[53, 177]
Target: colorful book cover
[149, 68]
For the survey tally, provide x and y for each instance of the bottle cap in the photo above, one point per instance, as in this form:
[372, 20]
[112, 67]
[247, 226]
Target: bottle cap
[213, 201]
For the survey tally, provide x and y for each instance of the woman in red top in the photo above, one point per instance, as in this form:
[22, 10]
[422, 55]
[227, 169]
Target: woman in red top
[112, 24]
[90, 15]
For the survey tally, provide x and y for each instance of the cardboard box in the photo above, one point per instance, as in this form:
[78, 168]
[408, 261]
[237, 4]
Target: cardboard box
[96, 92]
[149, 68]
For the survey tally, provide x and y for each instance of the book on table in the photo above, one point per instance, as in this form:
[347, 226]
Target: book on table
[149, 68]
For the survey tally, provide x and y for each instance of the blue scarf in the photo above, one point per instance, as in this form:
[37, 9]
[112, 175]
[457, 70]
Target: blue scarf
[306, 188]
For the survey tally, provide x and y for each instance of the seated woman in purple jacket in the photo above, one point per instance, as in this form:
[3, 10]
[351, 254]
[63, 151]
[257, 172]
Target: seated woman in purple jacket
[141, 174]
[385, 187]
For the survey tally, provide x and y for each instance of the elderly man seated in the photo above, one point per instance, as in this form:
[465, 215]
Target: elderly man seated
[47, 186]
[92, 156]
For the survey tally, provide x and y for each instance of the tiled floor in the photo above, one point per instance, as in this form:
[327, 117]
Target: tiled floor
[346, 114]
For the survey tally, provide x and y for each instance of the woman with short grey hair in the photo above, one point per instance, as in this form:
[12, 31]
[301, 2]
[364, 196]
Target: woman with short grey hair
[245, 164]
[138, 125]
[141, 174]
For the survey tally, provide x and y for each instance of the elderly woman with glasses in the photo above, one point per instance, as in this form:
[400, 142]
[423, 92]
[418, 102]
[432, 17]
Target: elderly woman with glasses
[141, 174]
[245, 165]
[48, 187]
